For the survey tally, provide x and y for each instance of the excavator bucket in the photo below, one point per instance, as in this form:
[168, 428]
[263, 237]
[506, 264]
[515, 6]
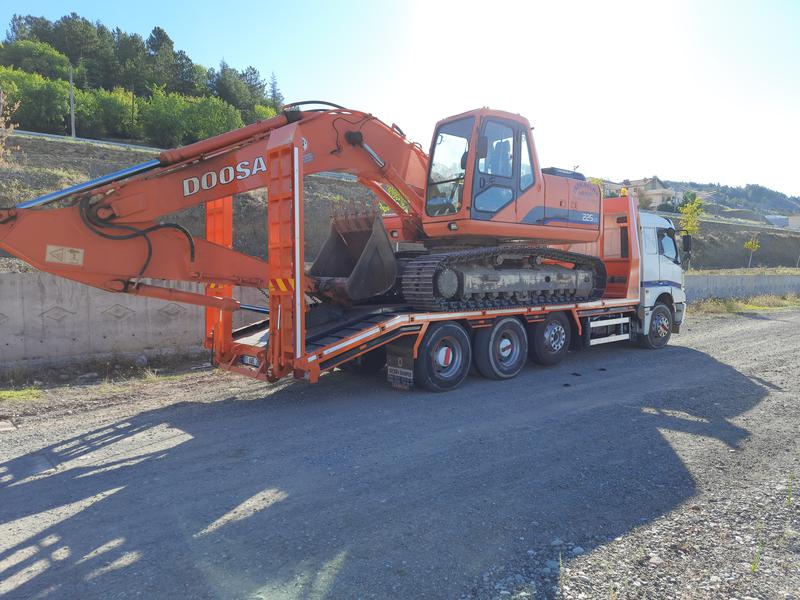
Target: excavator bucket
[356, 262]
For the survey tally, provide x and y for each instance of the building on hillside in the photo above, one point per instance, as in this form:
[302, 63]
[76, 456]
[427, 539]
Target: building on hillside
[651, 191]
[778, 220]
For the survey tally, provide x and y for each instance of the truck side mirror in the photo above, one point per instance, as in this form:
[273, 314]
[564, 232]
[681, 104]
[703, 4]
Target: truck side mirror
[483, 146]
[686, 239]
[464, 161]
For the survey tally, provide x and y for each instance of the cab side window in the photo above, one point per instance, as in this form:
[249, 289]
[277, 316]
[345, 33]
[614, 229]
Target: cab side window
[666, 245]
[525, 167]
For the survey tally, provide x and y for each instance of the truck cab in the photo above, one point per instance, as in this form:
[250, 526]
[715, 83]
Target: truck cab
[662, 281]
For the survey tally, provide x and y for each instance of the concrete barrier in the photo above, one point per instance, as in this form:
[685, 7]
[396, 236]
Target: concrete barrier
[50, 320]
[700, 287]
[54, 321]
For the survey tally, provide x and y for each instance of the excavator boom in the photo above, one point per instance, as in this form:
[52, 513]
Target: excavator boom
[106, 233]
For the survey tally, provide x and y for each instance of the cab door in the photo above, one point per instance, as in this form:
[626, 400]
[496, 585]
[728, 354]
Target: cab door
[494, 188]
[669, 264]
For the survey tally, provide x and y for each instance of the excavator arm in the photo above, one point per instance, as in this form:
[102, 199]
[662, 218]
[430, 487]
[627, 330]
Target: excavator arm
[107, 234]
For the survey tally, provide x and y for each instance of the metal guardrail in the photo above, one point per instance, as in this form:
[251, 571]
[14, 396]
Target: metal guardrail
[68, 138]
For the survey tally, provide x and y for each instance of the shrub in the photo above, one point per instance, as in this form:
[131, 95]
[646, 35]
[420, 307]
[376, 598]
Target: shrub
[35, 57]
[264, 112]
[44, 103]
[162, 118]
[88, 117]
[119, 112]
[209, 116]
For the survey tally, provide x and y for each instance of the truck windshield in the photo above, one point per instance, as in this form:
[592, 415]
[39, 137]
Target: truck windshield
[448, 164]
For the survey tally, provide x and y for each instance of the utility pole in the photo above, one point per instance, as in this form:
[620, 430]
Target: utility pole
[71, 103]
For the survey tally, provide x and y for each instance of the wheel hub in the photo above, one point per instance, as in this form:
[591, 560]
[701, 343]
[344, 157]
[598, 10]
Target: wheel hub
[444, 357]
[661, 326]
[555, 336]
[506, 347]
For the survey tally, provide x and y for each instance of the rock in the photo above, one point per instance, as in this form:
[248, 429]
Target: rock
[531, 552]
[656, 560]
[715, 579]
[577, 550]
[84, 376]
[557, 542]
[140, 361]
[552, 564]
[545, 571]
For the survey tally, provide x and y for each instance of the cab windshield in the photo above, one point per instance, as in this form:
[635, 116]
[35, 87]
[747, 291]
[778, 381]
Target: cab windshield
[448, 165]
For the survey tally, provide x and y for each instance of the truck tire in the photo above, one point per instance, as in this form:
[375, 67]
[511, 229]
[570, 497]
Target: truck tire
[444, 357]
[548, 340]
[660, 329]
[501, 350]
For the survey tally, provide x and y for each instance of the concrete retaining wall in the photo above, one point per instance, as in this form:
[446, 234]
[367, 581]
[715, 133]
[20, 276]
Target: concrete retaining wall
[49, 320]
[699, 287]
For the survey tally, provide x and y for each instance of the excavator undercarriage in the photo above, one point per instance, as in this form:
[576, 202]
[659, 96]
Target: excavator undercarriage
[357, 263]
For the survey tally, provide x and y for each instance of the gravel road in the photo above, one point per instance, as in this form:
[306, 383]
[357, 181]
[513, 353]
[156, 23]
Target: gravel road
[621, 473]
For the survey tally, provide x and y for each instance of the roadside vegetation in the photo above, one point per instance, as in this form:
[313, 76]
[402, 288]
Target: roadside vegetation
[735, 306]
[20, 394]
[745, 271]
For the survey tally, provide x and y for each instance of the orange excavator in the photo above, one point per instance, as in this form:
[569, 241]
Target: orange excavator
[476, 224]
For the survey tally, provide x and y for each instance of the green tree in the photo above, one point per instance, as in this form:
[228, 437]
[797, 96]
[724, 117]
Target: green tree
[691, 213]
[230, 87]
[75, 36]
[275, 95]
[132, 56]
[164, 66]
[207, 117]
[162, 118]
[88, 116]
[264, 112]
[102, 65]
[44, 103]
[35, 57]
[754, 246]
[30, 28]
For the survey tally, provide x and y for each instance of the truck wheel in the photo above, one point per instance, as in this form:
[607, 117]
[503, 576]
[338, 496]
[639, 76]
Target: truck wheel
[548, 341]
[660, 328]
[501, 350]
[444, 358]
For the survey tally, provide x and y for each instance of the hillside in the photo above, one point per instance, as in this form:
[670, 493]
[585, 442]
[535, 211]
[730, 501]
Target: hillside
[756, 198]
[38, 166]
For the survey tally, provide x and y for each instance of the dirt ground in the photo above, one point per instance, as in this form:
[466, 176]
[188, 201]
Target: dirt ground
[620, 473]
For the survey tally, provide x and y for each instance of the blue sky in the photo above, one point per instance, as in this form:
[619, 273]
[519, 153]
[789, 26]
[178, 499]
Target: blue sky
[706, 91]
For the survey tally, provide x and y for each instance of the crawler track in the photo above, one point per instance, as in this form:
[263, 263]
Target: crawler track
[419, 276]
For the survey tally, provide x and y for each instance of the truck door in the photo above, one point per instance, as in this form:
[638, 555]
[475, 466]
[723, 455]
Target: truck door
[669, 265]
[651, 272]
[494, 187]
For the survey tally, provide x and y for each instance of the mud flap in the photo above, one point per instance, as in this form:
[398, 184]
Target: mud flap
[356, 262]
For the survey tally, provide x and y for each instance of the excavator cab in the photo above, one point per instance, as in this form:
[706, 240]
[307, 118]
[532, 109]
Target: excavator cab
[484, 181]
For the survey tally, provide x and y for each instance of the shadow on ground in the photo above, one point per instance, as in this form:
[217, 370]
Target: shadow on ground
[349, 489]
